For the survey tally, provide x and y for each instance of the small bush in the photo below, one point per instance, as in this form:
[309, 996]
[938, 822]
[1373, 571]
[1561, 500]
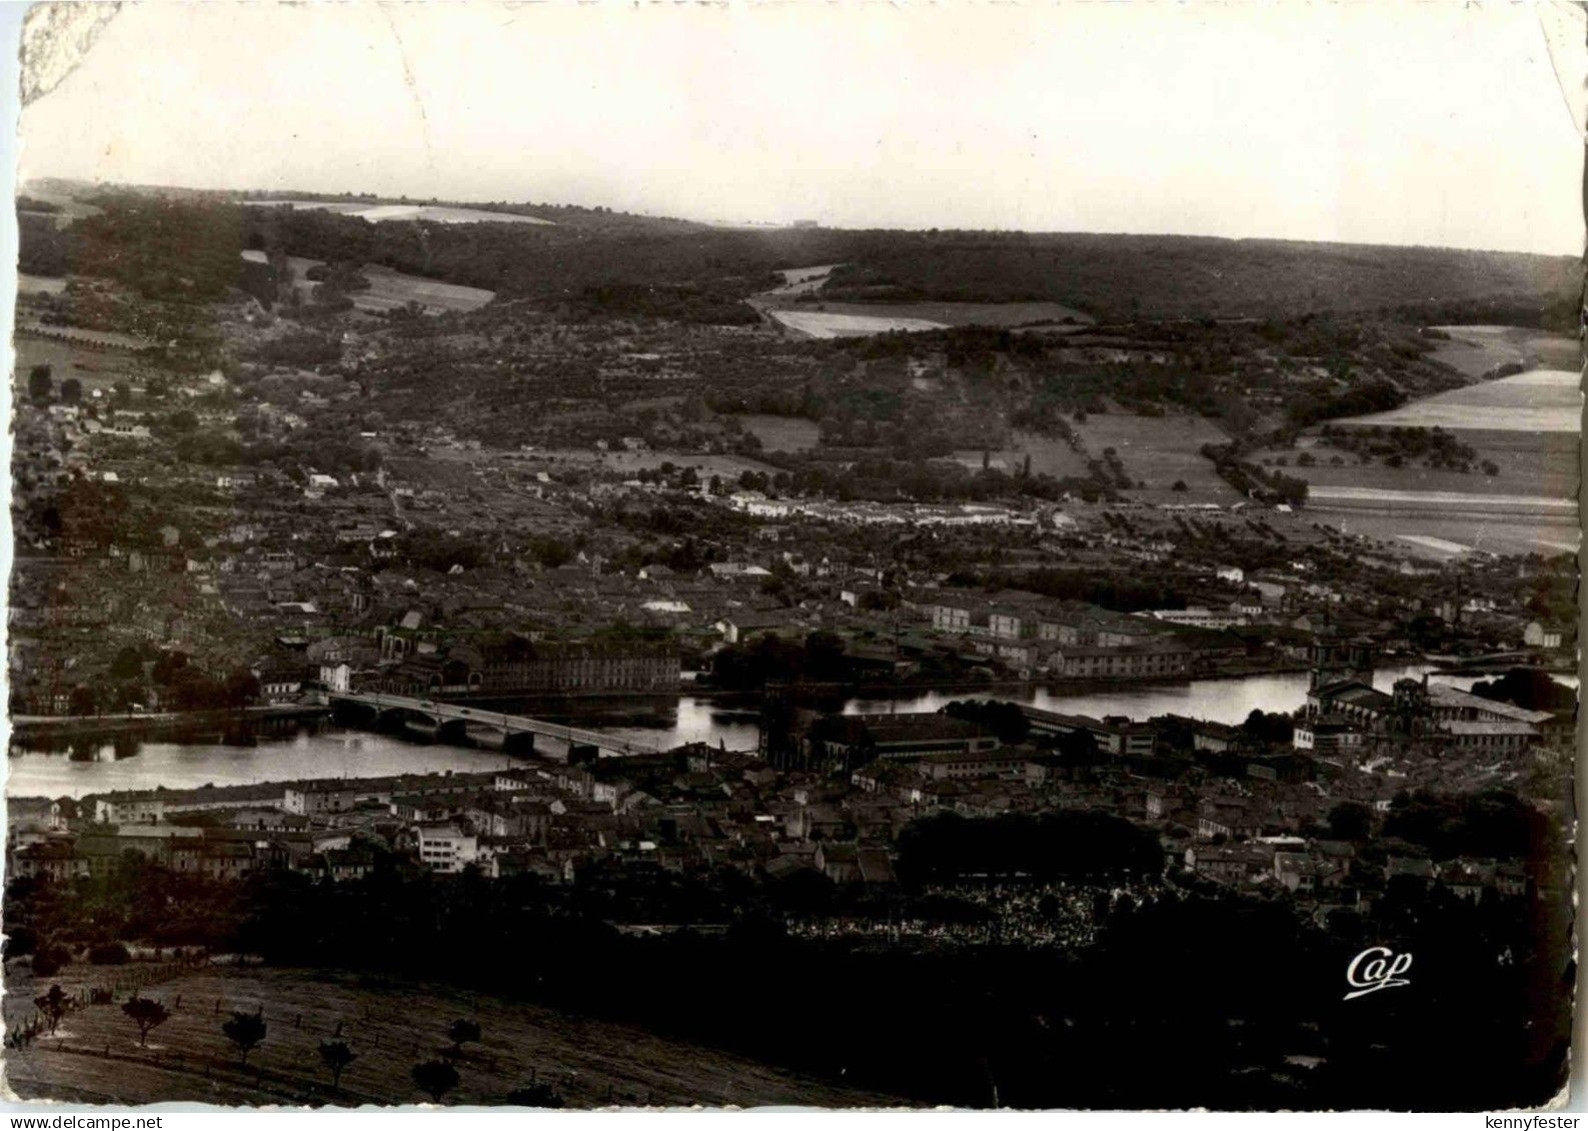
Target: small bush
[20, 942]
[49, 960]
[109, 954]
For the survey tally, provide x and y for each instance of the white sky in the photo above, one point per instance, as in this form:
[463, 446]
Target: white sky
[1426, 124]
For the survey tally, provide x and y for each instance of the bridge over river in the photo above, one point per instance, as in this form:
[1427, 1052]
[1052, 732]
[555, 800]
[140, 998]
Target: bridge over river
[518, 732]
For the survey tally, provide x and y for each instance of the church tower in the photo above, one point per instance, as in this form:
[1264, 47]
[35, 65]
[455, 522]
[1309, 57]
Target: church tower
[1335, 659]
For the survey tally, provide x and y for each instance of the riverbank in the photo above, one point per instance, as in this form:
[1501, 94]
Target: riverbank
[245, 722]
[731, 721]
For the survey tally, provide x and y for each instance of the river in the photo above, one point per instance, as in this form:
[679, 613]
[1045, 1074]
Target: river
[330, 751]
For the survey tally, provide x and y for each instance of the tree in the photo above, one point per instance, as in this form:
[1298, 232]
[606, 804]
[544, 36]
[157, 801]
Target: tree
[82, 701]
[1272, 729]
[1077, 748]
[1351, 820]
[146, 1013]
[241, 688]
[1179, 485]
[435, 1078]
[337, 1056]
[245, 1030]
[39, 383]
[109, 954]
[824, 656]
[1006, 720]
[461, 1031]
[49, 959]
[1530, 688]
[534, 1095]
[53, 1006]
[128, 664]
[167, 665]
[71, 391]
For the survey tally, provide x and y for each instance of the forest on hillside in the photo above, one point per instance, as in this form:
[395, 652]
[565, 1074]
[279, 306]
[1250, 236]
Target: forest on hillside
[644, 266]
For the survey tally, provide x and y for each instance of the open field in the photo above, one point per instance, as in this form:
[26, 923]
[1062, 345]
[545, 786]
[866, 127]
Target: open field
[1528, 508]
[1541, 464]
[61, 196]
[1049, 456]
[1476, 350]
[375, 213]
[39, 285]
[947, 313]
[1401, 530]
[1540, 400]
[388, 289]
[855, 318]
[819, 324]
[801, 280]
[728, 467]
[1463, 501]
[782, 433]
[94, 369]
[1498, 532]
[1158, 450]
[390, 1025]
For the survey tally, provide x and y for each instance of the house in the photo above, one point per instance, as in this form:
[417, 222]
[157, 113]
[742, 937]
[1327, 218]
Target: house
[1445, 704]
[311, 799]
[1490, 737]
[1326, 734]
[854, 740]
[1303, 873]
[1231, 818]
[1231, 863]
[1161, 802]
[1196, 617]
[1158, 660]
[446, 847]
[1540, 635]
[337, 676]
[740, 627]
[1351, 700]
[738, 571]
[1416, 868]
[1217, 738]
[1114, 735]
[52, 860]
[951, 617]
[839, 862]
[998, 763]
[279, 681]
[339, 864]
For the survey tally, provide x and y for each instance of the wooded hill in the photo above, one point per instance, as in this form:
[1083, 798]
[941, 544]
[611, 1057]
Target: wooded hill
[650, 266]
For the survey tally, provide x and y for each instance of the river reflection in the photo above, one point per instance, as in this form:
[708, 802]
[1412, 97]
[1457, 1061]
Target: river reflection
[328, 751]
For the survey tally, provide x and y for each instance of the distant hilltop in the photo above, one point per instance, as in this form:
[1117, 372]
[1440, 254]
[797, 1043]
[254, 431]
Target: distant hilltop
[377, 212]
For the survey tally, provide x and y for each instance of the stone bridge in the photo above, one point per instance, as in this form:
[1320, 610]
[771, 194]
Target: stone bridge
[454, 721]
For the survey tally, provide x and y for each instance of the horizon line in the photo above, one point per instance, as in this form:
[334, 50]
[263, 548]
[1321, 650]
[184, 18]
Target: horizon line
[784, 225]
